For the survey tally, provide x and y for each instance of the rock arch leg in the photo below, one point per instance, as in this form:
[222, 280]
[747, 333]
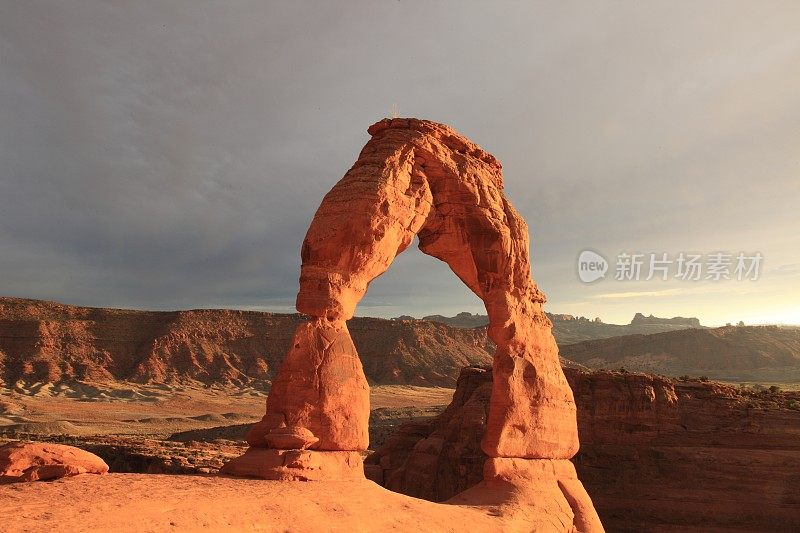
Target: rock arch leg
[477, 232]
[319, 400]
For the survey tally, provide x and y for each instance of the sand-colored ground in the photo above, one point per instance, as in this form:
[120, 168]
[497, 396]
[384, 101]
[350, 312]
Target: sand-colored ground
[408, 396]
[147, 502]
[77, 408]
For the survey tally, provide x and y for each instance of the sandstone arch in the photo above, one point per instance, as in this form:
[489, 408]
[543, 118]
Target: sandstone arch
[417, 177]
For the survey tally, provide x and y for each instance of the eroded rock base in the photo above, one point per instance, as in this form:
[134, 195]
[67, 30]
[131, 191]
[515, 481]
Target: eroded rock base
[296, 465]
[545, 493]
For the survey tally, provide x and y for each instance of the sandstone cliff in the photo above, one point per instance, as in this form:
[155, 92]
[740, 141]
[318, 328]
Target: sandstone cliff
[656, 454]
[47, 341]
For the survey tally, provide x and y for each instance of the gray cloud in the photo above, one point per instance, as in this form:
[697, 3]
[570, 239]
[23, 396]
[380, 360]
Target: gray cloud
[167, 155]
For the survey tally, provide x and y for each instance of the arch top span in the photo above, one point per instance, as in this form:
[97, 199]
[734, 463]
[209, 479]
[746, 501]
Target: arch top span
[445, 135]
[415, 177]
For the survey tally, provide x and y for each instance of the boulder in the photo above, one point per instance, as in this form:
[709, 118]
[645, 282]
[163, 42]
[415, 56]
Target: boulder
[32, 461]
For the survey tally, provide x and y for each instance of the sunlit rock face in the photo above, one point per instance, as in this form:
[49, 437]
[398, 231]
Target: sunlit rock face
[647, 443]
[39, 461]
[416, 177]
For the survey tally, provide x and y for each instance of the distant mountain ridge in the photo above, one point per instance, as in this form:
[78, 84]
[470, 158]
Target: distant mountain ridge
[47, 342]
[569, 329]
[639, 319]
[757, 353]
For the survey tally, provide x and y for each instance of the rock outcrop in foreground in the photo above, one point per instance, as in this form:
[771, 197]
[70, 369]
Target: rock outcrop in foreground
[416, 177]
[39, 461]
[657, 454]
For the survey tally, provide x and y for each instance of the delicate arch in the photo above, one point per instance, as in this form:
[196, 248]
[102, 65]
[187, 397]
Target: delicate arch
[417, 177]
[423, 178]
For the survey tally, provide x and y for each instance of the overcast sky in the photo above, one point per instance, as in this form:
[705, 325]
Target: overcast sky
[169, 155]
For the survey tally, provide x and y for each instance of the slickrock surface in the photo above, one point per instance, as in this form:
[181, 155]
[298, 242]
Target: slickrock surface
[297, 465]
[32, 461]
[657, 454]
[544, 494]
[142, 502]
[48, 342]
[416, 177]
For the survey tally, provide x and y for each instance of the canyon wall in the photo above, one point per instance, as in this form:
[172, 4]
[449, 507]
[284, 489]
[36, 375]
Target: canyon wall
[656, 454]
[47, 341]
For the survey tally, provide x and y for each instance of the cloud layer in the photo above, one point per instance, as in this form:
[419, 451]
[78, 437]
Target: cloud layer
[171, 155]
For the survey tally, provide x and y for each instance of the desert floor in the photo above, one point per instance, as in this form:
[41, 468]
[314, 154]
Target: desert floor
[82, 409]
[153, 502]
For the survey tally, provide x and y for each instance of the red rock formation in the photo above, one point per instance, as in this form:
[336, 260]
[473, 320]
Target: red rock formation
[657, 454]
[544, 493]
[32, 461]
[412, 178]
[321, 389]
[47, 342]
[296, 465]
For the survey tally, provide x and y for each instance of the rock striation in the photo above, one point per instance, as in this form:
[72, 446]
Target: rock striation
[416, 177]
[43, 342]
[657, 454]
[32, 461]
